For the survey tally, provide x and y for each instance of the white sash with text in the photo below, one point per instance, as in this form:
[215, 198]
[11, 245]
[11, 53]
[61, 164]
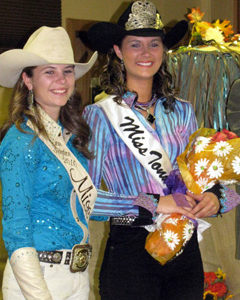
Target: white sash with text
[83, 186]
[139, 140]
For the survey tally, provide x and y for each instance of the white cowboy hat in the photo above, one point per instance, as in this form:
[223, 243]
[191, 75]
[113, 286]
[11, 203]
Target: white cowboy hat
[47, 45]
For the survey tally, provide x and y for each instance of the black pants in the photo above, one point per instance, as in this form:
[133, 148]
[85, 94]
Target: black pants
[129, 273]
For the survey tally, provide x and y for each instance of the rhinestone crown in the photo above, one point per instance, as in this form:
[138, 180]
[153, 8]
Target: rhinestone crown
[143, 15]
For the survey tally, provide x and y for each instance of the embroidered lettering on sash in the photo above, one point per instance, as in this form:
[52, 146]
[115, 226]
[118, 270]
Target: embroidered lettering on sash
[130, 126]
[156, 165]
[84, 192]
[147, 150]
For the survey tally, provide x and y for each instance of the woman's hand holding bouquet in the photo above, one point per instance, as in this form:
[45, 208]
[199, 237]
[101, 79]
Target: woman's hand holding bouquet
[209, 159]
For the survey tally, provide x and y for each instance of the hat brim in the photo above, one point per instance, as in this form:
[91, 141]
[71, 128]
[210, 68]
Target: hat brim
[82, 68]
[12, 63]
[174, 36]
[103, 35]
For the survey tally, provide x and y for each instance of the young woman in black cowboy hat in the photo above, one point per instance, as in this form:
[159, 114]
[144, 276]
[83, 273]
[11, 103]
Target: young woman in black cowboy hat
[138, 130]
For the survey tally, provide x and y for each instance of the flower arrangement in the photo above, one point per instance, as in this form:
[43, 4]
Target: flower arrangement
[215, 287]
[170, 238]
[205, 32]
[210, 157]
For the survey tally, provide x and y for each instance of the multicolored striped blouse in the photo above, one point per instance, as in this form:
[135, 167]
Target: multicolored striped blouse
[123, 175]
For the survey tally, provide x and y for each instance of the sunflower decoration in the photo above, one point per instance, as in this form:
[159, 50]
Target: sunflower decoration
[206, 33]
[215, 287]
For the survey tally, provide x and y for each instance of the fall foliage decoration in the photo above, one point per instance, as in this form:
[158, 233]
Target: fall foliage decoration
[205, 32]
[215, 287]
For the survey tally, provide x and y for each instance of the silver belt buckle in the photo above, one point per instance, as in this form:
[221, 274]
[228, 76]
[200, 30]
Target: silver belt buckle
[80, 257]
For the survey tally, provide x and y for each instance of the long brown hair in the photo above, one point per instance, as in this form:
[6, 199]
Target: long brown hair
[70, 115]
[113, 80]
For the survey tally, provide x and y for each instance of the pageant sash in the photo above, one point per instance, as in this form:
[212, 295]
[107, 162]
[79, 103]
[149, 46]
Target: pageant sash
[81, 181]
[139, 140]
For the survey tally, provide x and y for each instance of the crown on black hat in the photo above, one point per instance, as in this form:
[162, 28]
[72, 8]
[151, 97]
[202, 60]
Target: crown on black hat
[143, 15]
[141, 18]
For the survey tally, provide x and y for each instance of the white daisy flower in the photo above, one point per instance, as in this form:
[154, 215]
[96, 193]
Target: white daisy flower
[236, 165]
[202, 181]
[222, 148]
[208, 186]
[201, 143]
[200, 166]
[216, 169]
[171, 239]
[188, 231]
[173, 221]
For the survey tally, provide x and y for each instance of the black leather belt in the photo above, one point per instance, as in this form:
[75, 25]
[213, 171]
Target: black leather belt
[54, 257]
[78, 258]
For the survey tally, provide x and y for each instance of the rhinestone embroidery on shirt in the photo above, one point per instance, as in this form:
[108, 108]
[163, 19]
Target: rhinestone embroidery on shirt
[36, 187]
[80, 179]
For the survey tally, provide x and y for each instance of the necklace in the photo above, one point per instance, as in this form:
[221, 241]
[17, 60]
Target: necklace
[146, 107]
[147, 104]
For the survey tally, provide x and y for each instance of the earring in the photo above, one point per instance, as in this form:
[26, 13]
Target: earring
[30, 98]
[122, 65]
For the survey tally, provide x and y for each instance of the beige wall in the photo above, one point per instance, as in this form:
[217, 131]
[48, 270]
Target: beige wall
[4, 101]
[170, 10]
[223, 10]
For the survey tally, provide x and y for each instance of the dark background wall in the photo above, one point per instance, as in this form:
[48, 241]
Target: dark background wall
[19, 18]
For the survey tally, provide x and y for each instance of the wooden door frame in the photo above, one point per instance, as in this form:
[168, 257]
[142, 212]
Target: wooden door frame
[82, 53]
[236, 16]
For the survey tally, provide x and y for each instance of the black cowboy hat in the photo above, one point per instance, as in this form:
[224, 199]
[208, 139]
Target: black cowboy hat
[141, 18]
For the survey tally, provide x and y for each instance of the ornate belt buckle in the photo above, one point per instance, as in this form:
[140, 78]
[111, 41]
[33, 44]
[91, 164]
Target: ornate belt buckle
[80, 257]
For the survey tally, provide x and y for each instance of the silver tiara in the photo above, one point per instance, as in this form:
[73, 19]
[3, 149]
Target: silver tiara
[143, 15]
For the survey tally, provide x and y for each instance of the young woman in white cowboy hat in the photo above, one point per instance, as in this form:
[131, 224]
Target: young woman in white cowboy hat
[43, 161]
[138, 130]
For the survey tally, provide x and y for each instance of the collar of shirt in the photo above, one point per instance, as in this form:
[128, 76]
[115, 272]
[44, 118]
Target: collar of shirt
[129, 98]
[52, 128]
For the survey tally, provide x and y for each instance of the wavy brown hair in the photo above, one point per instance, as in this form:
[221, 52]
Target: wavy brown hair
[70, 115]
[113, 80]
